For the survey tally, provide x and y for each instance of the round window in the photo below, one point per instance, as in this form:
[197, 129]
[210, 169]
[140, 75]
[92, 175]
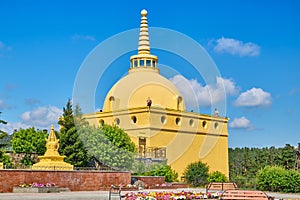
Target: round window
[177, 121]
[117, 121]
[204, 124]
[216, 125]
[133, 119]
[192, 122]
[163, 119]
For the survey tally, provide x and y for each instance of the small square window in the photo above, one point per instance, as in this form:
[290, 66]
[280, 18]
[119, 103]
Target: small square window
[142, 63]
[148, 63]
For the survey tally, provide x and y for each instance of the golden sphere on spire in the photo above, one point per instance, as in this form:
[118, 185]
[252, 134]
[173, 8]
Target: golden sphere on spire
[144, 12]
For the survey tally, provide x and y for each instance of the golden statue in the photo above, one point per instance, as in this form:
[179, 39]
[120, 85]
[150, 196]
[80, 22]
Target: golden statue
[51, 159]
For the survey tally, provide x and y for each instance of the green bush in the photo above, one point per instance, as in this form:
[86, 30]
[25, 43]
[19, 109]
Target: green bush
[217, 176]
[162, 169]
[166, 171]
[291, 182]
[196, 174]
[277, 179]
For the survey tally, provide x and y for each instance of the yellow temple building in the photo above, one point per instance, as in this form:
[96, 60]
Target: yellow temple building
[162, 128]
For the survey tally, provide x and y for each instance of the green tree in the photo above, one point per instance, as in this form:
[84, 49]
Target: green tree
[217, 176]
[70, 143]
[118, 137]
[4, 158]
[110, 145]
[196, 174]
[139, 168]
[29, 141]
[2, 133]
[287, 157]
[244, 163]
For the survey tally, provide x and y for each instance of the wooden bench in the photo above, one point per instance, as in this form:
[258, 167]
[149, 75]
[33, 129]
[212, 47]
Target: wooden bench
[244, 194]
[214, 186]
[116, 192]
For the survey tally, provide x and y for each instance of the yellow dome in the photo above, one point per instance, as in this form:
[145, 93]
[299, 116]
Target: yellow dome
[143, 81]
[133, 90]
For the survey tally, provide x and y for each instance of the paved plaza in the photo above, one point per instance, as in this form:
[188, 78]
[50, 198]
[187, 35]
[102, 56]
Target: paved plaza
[96, 195]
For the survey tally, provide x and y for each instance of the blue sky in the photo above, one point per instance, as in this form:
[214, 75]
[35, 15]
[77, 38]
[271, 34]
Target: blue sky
[255, 45]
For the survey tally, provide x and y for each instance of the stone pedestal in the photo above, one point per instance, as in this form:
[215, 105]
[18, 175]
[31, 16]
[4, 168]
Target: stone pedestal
[36, 190]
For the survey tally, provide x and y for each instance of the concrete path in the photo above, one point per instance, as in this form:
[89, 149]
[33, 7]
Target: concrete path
[97, 195]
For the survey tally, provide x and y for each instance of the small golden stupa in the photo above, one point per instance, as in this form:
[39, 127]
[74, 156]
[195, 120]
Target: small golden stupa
[52, 160]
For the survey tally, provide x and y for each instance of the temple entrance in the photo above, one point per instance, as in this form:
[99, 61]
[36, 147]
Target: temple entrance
[142, 147]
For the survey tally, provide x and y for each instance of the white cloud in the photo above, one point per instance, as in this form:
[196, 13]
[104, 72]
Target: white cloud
[229, 85]
[10, 127]
[83, 37]
[241, 123]
[41, 117]
[254, 97]
[196, 95]
[236, 47]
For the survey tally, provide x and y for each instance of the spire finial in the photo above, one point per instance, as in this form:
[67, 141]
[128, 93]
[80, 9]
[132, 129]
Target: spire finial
[143, 60]
[52, 136]
[144, 45]
[144, 12]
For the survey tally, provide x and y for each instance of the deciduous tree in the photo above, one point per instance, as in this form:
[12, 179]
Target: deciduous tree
[29, 141]
[110, 145]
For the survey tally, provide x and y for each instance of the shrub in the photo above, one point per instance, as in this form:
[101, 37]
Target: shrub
[291, 181]
[270, 178]
[196, 174]
[217, 176]
[277, 179]
[166, 171]
[139, 168]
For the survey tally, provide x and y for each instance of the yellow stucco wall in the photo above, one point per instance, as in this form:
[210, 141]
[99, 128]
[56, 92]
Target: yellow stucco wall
[188, 141]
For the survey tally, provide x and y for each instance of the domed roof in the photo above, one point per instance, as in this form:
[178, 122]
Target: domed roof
[133, 90]
[143, 81]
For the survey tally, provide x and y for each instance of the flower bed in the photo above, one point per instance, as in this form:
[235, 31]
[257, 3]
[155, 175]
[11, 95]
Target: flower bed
[171, 195]
[36, 188]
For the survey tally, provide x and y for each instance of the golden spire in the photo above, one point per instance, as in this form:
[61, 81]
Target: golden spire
[52, 136]
[144, 45]
[143, 60]
[51, 160]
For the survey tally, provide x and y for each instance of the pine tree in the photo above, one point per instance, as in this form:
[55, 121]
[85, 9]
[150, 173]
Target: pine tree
[70, 144]
[2, 133]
